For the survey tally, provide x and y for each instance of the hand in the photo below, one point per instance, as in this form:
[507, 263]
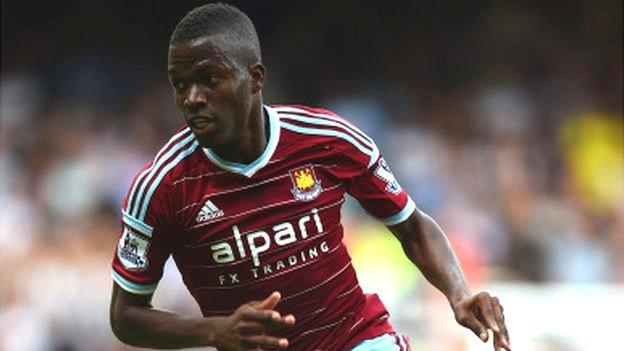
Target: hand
[248, 327]
[482, 312]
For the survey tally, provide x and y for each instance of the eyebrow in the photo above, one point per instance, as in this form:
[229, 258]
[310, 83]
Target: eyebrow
[212, 64]
[204, 64]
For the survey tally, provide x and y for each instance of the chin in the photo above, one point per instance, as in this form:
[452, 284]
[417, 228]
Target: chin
[205, 142]
[209, 142]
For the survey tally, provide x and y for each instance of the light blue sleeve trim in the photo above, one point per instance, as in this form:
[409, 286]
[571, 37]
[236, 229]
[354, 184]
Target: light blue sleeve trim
[385, 342]
[407, 211]
[133, 287]
[136, 224]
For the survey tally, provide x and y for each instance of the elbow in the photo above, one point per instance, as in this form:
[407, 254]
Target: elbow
[125, 316]
[119, 326]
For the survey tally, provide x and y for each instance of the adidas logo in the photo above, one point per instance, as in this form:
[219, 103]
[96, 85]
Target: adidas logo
[208, 212]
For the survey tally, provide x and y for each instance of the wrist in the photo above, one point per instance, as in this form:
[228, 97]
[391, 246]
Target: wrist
[212, 328]
[457, 296]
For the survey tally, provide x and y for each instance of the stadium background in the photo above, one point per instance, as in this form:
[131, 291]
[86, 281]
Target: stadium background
[503, 120]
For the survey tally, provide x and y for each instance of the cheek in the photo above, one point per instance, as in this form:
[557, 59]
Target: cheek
[177, 99]
[243, 93]
[232, 96]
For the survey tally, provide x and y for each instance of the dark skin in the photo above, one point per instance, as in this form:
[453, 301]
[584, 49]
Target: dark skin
[426, 245]
[218, 88]
[220, 95]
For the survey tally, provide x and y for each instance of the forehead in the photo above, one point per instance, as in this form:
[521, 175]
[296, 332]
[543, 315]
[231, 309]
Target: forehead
[212, 50]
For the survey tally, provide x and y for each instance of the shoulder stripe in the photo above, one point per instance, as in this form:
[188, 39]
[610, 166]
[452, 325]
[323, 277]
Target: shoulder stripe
[161, 174]
[345, 122]
[325, 122]
[149, 173]
[372, 154]
[172, 141]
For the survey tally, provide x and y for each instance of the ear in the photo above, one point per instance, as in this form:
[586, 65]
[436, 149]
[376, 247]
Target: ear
[257, 72]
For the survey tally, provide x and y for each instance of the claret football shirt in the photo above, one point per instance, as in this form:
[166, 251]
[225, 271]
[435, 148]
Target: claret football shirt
[238, 232]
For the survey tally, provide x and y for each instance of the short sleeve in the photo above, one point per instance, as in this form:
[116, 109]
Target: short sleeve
[144, 241]
[379, 193]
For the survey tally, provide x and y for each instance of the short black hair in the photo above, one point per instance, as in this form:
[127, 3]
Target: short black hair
[219, 18]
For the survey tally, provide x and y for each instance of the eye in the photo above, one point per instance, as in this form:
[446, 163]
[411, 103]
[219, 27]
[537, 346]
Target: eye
[178, 85]
[212, 80]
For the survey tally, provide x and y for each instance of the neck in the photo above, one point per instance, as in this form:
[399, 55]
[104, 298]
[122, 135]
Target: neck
[253, 140]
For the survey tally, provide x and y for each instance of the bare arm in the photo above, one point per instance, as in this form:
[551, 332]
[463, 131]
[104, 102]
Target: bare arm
[135, 322]
[428, 248]
[426, 245]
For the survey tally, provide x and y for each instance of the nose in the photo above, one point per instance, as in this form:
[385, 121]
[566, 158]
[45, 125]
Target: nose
[195, 98]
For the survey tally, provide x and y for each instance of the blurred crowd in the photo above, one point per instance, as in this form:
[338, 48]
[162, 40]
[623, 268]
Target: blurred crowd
[504, 122]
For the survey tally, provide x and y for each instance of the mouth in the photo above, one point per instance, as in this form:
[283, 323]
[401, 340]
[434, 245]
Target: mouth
[201, 124]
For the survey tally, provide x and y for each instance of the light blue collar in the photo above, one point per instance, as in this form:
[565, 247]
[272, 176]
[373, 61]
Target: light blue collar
[250, 169]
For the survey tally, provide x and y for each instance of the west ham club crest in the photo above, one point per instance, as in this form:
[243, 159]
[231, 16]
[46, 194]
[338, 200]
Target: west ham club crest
[305, 185]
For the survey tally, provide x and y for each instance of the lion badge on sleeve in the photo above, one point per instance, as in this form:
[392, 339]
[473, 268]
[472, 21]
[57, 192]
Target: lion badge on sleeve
[132, 250]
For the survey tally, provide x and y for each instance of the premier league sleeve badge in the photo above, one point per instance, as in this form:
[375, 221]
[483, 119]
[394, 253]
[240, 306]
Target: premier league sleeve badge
[132, 250]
